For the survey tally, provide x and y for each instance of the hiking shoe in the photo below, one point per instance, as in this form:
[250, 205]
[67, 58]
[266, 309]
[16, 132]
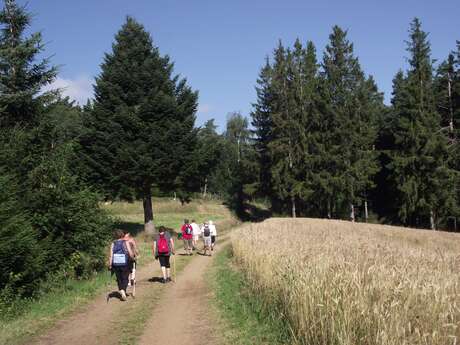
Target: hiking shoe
[123, 295]
[163, 280]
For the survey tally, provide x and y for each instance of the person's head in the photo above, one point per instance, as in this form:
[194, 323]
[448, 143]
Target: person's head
[210, 222]
[118, 234]
[185, 221]
[193, 220]
[161, 229]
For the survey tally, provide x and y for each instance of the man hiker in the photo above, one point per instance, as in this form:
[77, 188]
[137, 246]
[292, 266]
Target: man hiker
[196, 233]
[212, 228]
[187, 236]
[163, 248]
[206, 238]
[120, 254]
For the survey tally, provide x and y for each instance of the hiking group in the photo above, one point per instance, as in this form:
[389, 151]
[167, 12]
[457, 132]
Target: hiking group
[124, 251]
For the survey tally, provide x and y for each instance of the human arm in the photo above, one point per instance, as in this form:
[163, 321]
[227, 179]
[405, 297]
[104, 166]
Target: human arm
[154, 248]
[173, 252]
[130, 250]
[109, 263]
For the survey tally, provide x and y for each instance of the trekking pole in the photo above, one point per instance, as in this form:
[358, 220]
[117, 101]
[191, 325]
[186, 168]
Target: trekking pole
[133, 279]
[107, 284]
[174, 268]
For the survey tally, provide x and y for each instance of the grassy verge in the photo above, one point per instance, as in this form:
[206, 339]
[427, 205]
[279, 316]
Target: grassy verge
[40, 314]
[243, 320]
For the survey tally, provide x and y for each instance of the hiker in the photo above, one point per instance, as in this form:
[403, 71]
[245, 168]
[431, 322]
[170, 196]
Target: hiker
[212, 228]
[120, 254]
[187, 236]
[206, 238]
[132, 243]
[196, 233]
[163, 248]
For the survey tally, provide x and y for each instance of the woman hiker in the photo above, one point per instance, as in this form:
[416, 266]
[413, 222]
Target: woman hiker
[120, 255]
[163, 248]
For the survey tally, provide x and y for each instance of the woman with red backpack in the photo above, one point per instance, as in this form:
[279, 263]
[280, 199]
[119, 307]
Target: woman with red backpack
[120, 254]
[163, 248]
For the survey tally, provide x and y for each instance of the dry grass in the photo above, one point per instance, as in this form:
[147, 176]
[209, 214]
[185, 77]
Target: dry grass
[336, 282]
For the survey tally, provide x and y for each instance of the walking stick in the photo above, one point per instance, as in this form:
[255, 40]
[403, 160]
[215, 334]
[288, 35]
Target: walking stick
[107, 284]
[174, 268]
[133, 279]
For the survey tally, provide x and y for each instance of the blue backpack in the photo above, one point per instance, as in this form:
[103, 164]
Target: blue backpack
[120, 254]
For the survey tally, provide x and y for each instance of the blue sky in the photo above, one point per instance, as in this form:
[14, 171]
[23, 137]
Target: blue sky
[221, 45]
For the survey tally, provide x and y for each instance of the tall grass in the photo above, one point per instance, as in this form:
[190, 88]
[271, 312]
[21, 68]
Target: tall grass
[336, 282]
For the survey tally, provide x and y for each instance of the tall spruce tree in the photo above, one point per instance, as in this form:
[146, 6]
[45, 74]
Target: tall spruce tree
[350, 108]
[419, 159]
[21, 76]
[140, 131]
[262, 124]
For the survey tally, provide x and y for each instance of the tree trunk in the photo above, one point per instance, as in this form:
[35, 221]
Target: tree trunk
[352, 215]
[205, 187]
[149, 228]
[433, 225]
[366, 214]
[293, 206]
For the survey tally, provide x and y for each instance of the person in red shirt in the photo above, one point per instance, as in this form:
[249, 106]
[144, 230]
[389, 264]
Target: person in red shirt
[187, 236]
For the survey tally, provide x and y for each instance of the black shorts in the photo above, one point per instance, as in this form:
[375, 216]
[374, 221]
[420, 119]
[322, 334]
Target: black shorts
[213, 239]
[164, 261]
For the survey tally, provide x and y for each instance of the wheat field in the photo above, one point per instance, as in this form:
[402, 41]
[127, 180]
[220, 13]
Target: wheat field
[337, 282]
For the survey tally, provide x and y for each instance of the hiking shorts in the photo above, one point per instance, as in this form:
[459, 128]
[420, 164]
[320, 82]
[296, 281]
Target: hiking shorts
[188, 244]
[196, 237]
[164, 261]
[207, 241]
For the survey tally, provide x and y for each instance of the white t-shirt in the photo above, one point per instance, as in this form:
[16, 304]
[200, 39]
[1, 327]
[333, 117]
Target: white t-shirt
[213, 229]
[196, 229]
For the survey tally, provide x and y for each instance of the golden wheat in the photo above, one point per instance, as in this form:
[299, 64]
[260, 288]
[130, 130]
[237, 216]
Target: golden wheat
[336, 282]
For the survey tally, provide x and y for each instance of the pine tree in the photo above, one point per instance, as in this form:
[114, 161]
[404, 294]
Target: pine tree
[140, 131]
[419, 158]
[351, 104]
[21, 76]
[262, 123]
[208, 154]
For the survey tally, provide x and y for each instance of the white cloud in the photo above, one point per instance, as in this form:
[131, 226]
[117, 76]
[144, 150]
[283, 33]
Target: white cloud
[79, 89]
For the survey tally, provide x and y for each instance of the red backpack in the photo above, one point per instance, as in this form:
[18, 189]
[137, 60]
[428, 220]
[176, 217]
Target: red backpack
[163, 247]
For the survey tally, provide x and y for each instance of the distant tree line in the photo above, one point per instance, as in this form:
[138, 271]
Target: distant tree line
[327, 146]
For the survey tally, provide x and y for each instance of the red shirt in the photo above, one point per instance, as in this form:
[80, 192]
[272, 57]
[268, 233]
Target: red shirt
[184, 235]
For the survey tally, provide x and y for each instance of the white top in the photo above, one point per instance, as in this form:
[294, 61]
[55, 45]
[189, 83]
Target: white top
[196, 229]
[213, 229]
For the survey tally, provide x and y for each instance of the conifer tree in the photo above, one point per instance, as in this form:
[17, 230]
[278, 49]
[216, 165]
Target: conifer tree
[140, 131]
[21, 76]
[262, 123]
[351, 104]
[419, 159]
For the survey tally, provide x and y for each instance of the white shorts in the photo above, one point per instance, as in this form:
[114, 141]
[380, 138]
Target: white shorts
[196, 237]
[207, 241]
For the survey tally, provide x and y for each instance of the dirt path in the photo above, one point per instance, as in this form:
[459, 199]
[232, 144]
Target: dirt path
[93, 325]
[182, 316]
